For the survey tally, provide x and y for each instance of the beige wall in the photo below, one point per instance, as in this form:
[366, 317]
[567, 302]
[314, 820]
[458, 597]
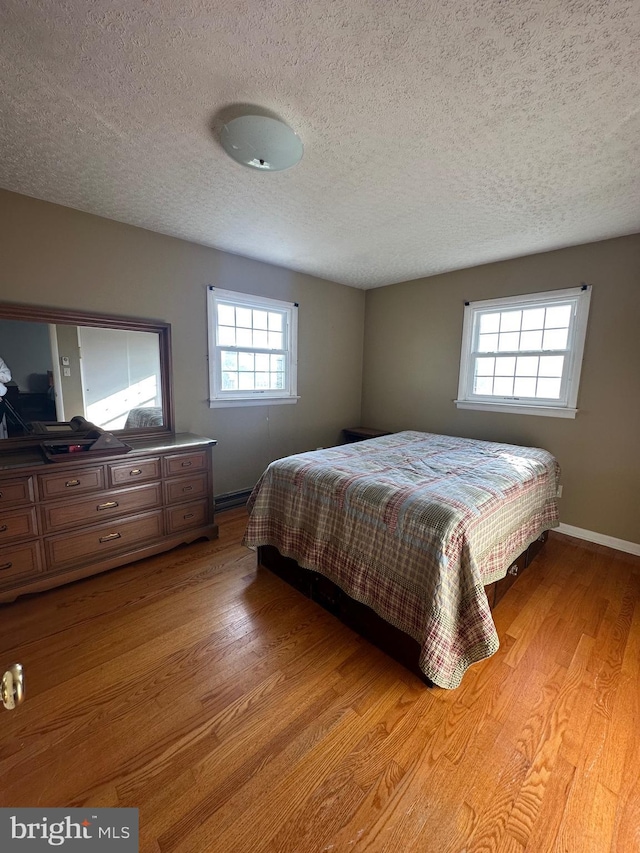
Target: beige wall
[413, 334]
[63, 258]
[55, 256]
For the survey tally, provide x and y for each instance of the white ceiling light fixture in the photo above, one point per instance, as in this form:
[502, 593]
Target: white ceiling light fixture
[262, 143]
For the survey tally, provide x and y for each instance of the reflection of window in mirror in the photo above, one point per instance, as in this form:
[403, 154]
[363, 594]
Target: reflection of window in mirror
[120, 377]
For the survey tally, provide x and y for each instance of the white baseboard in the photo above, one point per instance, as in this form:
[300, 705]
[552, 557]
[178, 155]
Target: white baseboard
[600, 539]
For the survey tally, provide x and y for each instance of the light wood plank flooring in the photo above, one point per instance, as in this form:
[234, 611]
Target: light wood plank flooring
[239, 716]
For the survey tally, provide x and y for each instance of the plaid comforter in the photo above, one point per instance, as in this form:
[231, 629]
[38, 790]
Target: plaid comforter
[414, 525]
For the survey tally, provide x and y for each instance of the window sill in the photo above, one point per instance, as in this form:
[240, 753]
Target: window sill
[518, 409]
[251, 401]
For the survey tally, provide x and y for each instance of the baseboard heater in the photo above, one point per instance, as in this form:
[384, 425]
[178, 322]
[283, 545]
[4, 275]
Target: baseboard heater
[232, 500]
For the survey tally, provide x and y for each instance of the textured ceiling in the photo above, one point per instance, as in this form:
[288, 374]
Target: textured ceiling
[438, 135]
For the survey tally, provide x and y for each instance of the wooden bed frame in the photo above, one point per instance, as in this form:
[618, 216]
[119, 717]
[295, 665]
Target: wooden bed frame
[362, 619]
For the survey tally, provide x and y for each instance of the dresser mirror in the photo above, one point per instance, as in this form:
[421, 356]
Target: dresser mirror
[113, 371]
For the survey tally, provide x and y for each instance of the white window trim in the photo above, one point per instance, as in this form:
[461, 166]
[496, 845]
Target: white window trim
[219, 399]
[466, 400]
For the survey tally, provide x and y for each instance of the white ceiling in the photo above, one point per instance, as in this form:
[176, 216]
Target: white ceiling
[438, 135]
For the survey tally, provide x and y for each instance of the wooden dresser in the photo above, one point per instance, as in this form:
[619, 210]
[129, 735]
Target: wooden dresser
[64, 521]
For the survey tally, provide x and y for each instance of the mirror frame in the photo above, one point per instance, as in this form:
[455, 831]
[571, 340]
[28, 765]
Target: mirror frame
[38, 314]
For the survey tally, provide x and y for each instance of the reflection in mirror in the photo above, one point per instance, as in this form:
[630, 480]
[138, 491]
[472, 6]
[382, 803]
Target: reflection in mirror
[54, 371]
[118, 379]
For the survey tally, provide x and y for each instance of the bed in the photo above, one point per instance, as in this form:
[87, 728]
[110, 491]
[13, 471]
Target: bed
[144, 416]
[411, 529]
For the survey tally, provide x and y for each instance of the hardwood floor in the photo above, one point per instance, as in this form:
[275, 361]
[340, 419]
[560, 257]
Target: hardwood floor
[239, 716]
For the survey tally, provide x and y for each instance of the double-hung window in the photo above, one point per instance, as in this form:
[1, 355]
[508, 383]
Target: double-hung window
[524, 353]
[252, 349]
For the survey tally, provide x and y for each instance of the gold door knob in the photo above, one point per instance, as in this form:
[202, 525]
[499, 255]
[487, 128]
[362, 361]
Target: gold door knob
[13, 686]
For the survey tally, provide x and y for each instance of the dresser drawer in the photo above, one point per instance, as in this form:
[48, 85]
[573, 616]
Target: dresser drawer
[72, 483]
[187, 516]
[16, 492]
[102, 540]
[186, 488]
[101, 506]
[183, 463]
[134, 471]
[18, 524]
[19, 562]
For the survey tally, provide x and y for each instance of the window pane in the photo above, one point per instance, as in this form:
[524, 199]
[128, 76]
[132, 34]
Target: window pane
[530, 340]
[275, 322]
[487, 343]
[226, 315]
[483, 385]
[260, 319]
[226, 336]
[533, 318]
[489, 323]
[505, 366]
[524, 386]
[229, 360]
[485, 366]
[558, 316]
[243, 317]
[555, 339]
[551, 365]
[503, 385]
[246, 381]
[246, 361]
[254, 346]
[523, 349]
[260, 339]
[548, 388]
[511, 321]
[277, 362]
[509, 341]
[229, 381]
[527, 365]
[244, 337]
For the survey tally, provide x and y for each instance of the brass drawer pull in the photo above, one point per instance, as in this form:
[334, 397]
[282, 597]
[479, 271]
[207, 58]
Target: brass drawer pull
[110, 537]
[513, 570]
[3, 528]
[5, 566]
[0, 494]
[135, 471]
[72, 483]
[186, 464]
[108, 505]
[188, 515]
[13, 687]
[187, 488]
